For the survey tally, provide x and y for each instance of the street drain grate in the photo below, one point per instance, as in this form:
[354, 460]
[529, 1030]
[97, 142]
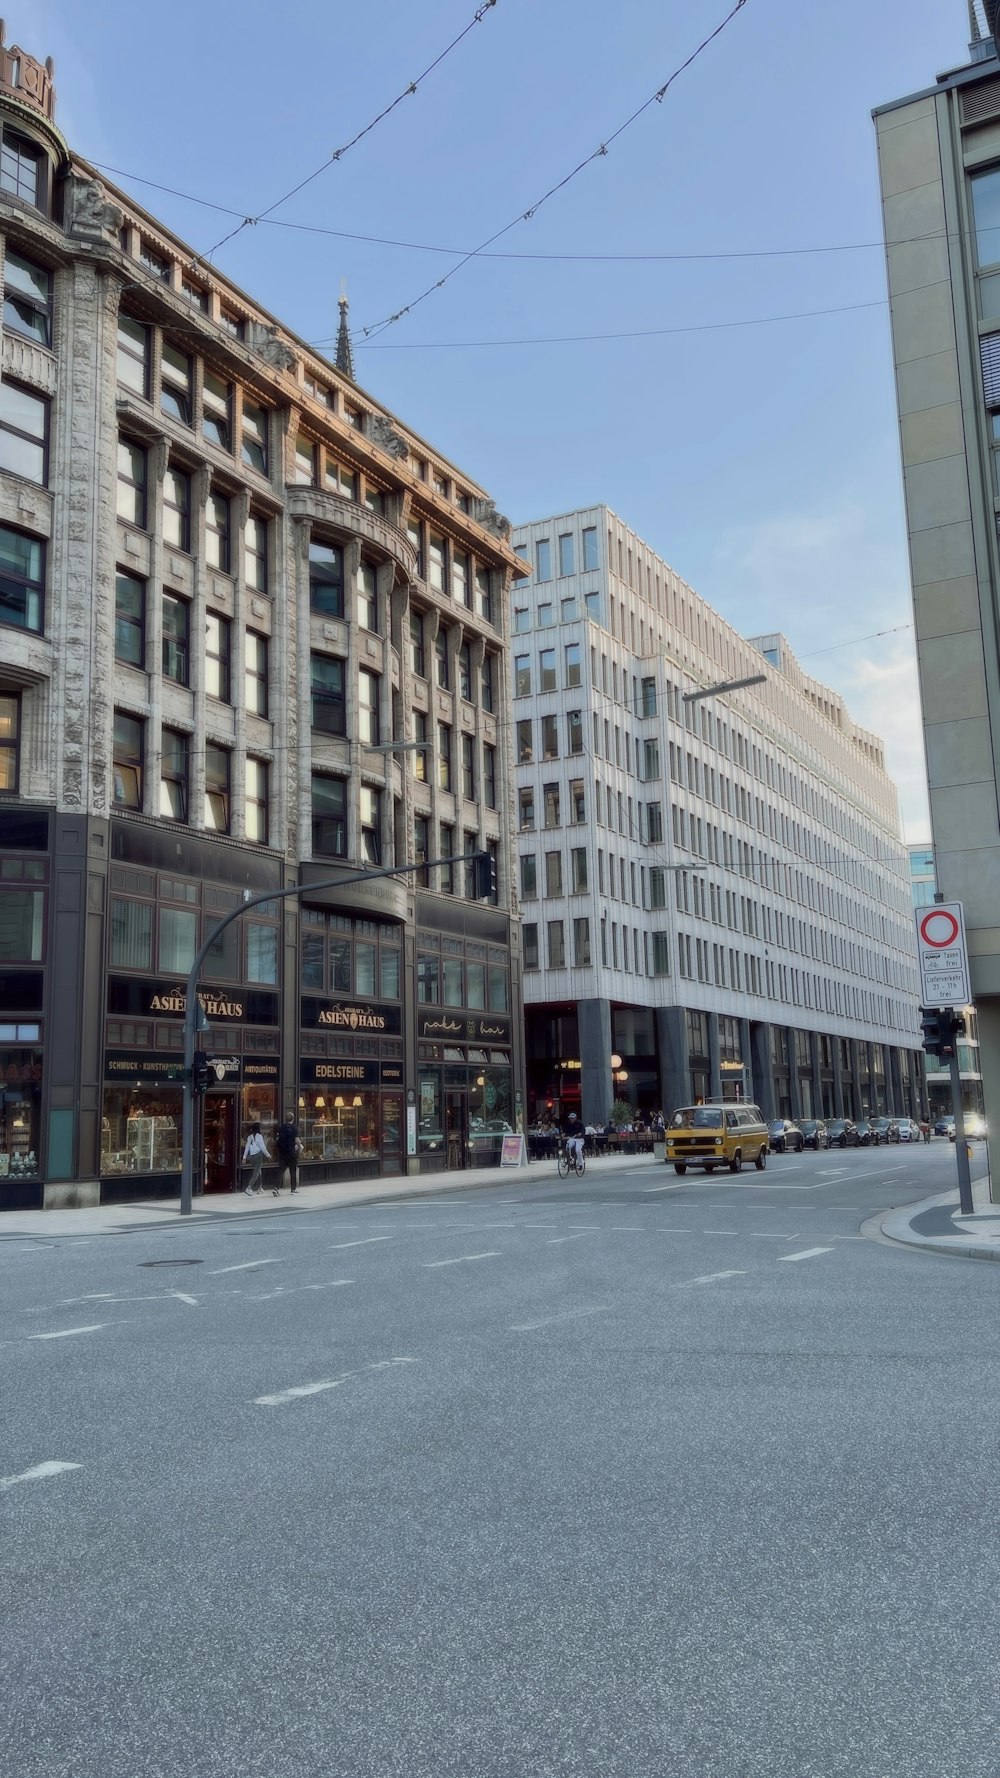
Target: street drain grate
[170, 1262]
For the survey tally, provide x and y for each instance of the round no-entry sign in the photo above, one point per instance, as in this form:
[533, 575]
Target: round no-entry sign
[939, 928]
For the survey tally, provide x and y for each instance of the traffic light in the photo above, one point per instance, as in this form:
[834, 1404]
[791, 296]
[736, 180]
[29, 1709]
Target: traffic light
[930, 1025]
[484, 876]
[199, 1073]
[951, 1025]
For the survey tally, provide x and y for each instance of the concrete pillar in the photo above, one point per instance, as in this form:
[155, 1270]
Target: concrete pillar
[838, 1082]
[761, 1078]
[672, 1048]
[856, 1075]
[715, 1075]
[817, 1075]
[594, 1027]
[895, 1084]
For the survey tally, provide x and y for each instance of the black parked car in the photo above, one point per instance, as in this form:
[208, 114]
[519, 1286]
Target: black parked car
[841, 1132]
[868, 1134]
[783, 1134]
[887, 1127]
[814, 1133]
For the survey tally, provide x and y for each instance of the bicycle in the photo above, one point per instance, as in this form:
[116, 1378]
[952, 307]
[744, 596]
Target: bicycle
[571, 1163]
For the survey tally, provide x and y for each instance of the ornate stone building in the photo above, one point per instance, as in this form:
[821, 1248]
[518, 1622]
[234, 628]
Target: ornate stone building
[253, 635]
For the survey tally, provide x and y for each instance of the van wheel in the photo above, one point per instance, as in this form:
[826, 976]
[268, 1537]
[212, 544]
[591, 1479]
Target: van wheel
[761, 1162]
[680, 1166]
[736, 1164]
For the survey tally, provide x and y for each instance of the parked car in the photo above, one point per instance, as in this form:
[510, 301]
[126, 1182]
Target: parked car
[888, 1128]
[975, 1127]
[908, 1130]
[814, 1133]
[782, 1135]
[945, 1126]
[841, 1132]
[868, 1135]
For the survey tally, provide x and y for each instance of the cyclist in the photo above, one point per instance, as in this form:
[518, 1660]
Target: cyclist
[573, 1133]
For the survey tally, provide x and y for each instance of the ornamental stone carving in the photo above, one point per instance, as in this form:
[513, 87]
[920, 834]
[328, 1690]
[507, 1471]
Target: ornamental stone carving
[485, 513]
[265, 341]
[91, 216]
[383, 434]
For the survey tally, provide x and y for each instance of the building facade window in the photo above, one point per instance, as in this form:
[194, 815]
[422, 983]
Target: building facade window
[547, 669]
[543, 559]
[464, 658]
[435, 562]
[174, 749]
[444, 756]
[24, 419]
[368, 706]
[488, 682]
[529, 876]
[553, 873]
[574, 671]
[524, 742]
[326, 579]
[574, 731]
[366, 598]
[590, 556]
[218, 653]
[461, 578]
[256, 801]
[526, 809]
[217, 533]
[216, 412]
[577, 802]
[22, 169]
[130, 619]
[371, 824]
[489, 775]
[484, 595]
[254, 441]
[328, 694]
[22, 580]
[330, 816]
[565, 555]
[529, 939]
[131, 486]
[522, 676]
[557, 946]
[27, 298]
[176, 640]
[255, 673]
[419, 754]
[255, 553]
[10, 736]
[217, 784]
[177, 509]
[578, 857]
[175, 384]
[421, 848]
[581, 943]
[550, 805]
[127, 759]
[441, 659]
[132, 361]
[418, 662]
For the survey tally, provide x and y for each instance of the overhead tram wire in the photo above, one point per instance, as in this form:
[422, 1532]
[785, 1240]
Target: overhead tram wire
[339, 153]
[656, 98]
[340, 234]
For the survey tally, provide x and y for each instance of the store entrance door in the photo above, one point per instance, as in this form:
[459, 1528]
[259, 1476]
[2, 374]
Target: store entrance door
[220, 1142]
[455, 1129]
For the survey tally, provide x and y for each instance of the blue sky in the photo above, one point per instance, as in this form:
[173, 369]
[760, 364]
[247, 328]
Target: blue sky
[761, 461]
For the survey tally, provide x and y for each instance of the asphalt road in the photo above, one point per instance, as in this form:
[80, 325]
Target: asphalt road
[628, 1475]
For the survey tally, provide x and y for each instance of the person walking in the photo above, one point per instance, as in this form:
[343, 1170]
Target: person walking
[255, 1153]
[289, 1149]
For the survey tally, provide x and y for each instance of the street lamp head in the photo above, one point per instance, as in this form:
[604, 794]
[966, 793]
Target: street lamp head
[616, 1061]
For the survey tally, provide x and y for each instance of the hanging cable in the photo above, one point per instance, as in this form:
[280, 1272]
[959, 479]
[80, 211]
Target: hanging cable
[641, 333]
[339, 153]
[525, 216]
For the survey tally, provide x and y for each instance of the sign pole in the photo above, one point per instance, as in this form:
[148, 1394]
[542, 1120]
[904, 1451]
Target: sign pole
[961, 1145]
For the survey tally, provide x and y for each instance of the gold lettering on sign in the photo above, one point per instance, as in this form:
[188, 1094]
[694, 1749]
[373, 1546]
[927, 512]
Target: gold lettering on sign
[352, 1018]
[445, 1026]
[213, 1008]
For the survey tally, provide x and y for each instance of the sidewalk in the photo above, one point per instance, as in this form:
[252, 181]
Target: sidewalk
[122, 1219]
[937, 1226]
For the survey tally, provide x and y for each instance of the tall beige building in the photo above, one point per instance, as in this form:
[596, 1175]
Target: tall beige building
[939, 162]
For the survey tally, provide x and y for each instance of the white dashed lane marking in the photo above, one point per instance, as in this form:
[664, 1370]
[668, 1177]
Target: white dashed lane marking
[463, 1259]
[301, 1390]
[551, 1320]
[710, 1278]
[67, 1333]
[40, 1472]
[806, 1253]
[369, 1241]
[247, 1265]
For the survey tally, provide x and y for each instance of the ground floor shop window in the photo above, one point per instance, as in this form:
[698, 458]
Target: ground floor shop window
[259, 1105]
[338, 1126]
[20, 1111]
[141, 1130]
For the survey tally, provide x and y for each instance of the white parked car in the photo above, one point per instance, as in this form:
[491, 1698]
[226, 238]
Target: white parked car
[908, 1130]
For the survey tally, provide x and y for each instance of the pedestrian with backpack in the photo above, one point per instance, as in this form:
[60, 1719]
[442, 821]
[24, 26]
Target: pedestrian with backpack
[289, 1149]
[255, 1153]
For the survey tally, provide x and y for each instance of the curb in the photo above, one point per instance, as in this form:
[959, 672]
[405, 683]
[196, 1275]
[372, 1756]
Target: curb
[892, 1223]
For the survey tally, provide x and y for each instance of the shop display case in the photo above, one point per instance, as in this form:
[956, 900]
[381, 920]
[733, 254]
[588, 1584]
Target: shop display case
[152, 1145]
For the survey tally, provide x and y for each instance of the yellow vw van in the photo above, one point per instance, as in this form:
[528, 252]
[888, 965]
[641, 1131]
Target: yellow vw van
[713, 1136]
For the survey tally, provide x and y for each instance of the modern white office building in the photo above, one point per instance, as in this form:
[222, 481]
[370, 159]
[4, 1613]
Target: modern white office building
[713, 888]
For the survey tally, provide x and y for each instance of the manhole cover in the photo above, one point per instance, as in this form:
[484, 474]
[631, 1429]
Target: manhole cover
[170, 1262]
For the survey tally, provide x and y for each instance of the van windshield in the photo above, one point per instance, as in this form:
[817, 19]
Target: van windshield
[697, 1117]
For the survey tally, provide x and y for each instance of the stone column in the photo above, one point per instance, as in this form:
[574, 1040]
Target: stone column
[715, 1075]
[672, 1047]
[594, 1030]
[761, 1074]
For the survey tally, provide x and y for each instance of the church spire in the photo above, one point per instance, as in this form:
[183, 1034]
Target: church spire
[345, 356]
